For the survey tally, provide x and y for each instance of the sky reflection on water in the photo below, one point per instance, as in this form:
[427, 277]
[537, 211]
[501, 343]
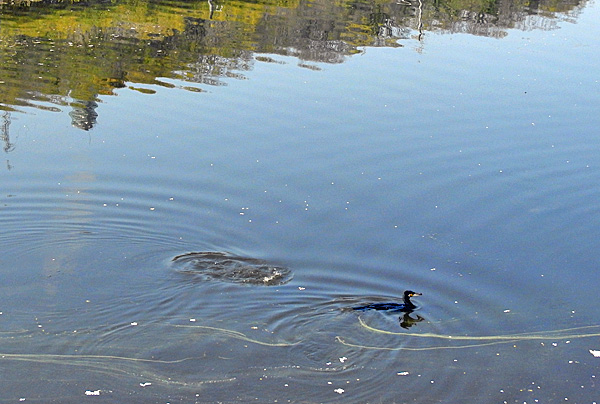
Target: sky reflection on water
[461, 166]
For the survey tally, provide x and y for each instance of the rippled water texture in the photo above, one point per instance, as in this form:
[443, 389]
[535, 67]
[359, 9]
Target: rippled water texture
[195, 195]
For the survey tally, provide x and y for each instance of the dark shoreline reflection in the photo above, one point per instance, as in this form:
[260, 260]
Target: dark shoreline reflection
[51, 62]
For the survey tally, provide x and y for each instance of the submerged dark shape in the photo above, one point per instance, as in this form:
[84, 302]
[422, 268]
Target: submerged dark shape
[221, 266]
[407, 306]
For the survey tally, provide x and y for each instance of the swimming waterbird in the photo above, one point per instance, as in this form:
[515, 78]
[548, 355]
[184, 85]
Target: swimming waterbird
[406, 307]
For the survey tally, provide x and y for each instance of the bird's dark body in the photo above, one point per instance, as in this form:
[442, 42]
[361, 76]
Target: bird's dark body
[385, 306]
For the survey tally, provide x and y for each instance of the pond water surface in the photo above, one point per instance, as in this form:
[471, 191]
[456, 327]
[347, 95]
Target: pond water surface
[195, 194]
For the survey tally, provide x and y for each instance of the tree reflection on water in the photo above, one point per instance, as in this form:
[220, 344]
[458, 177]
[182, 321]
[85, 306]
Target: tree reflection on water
[67, 54]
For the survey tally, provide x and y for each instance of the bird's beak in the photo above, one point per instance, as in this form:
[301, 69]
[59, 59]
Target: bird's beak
[416, 294]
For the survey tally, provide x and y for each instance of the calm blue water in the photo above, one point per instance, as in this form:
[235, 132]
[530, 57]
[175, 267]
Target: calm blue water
[463, 167]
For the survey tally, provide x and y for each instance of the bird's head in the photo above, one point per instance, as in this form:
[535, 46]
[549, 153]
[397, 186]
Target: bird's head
[410, 293]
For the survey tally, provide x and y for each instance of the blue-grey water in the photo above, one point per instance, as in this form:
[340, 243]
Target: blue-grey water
[459, 161]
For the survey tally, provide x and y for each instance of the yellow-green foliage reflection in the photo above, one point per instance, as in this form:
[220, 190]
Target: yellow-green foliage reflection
[68, 52]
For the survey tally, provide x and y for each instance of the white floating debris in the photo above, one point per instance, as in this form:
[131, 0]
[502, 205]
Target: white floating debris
[432, 269]
[402, 373]
[507, 311]
[92, 393]
[339, 391]
[301, 288]
[145, 384]
[192, 320]
[343, 359]
[595, 353]
[134, 323]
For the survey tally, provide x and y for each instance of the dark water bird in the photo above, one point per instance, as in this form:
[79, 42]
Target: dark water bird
[406, 307]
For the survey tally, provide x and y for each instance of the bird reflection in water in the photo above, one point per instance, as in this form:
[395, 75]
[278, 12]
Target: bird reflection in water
[406, 321]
